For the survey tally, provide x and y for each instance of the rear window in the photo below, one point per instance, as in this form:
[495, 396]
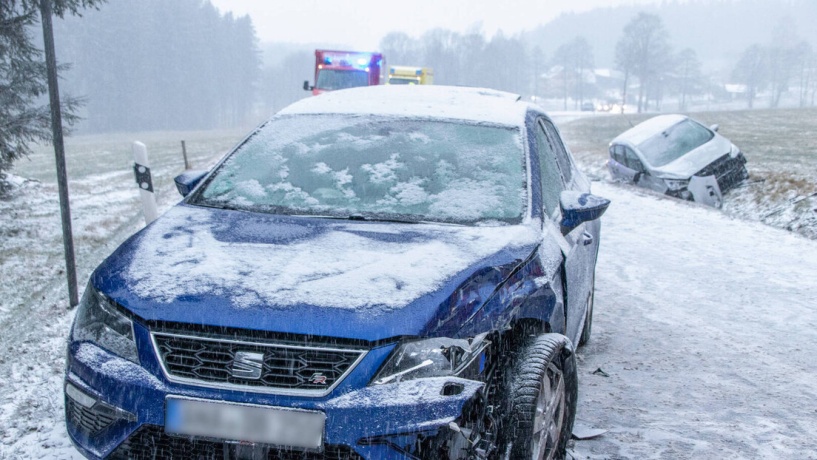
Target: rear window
[380, 168]
[674, 142]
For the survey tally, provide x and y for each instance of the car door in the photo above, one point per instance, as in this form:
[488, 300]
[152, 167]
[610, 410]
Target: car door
[579, 245]
[642, 176]
[618, 165]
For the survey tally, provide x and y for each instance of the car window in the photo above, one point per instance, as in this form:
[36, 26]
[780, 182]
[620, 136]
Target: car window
[562, 157]
[631, 160]
[617, 152]
[552, 182]
[674, 142]
[377, 167]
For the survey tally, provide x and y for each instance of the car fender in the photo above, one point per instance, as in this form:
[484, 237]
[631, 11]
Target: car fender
[533, 291]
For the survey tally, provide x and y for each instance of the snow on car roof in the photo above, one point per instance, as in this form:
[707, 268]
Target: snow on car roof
[419, 101]
[646, 129]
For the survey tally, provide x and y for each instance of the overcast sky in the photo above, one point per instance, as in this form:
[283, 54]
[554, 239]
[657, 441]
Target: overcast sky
[362, 23]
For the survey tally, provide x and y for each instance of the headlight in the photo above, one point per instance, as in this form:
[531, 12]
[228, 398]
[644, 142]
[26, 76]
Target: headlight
[437, 357]
[734, 151]
[676, 184]
[99, 322]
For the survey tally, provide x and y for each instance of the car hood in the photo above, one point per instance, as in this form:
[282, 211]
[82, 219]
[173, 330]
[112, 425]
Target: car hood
[696, 160]
[361, 280]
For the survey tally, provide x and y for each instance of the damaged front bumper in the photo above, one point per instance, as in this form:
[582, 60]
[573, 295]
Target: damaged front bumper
[117, 409]
[709, 184]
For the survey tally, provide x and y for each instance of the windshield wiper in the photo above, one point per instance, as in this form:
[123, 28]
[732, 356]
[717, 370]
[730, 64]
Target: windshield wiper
[361, 217]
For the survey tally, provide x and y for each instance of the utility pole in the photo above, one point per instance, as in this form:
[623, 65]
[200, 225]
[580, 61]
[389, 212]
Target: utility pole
[59, 151]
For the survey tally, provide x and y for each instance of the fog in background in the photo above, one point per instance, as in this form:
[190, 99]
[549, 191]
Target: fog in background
[193, 64]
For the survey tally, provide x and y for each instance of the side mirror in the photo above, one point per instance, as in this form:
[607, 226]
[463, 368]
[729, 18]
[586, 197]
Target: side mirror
[578, 207]
[187, 181]
[715, 127]
[306, 86]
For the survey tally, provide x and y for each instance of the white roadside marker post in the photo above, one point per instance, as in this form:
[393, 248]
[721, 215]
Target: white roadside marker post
[141, 169]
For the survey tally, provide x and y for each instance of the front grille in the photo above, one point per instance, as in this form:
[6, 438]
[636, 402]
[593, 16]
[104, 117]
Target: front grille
[728, 171]
[151, 442]
[289, 369]
[90, 420]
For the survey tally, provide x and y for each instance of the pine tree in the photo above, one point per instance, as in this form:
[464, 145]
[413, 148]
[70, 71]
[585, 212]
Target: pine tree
[23, 117]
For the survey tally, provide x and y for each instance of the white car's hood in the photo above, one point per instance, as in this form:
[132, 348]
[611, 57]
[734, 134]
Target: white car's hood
[694, 161]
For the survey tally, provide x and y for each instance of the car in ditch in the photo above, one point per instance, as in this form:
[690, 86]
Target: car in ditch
[677, 156]
[374, 273]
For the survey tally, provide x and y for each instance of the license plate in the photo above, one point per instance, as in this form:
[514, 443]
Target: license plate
[247, 423]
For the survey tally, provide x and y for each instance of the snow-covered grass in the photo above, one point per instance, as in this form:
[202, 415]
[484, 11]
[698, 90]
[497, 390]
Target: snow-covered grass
[34, 314]
[780, 147]
[707, 329]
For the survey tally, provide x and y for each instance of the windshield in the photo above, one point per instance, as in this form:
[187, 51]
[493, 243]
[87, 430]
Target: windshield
[330, 79]
[377, 168]
[403, 81]
[674, 142]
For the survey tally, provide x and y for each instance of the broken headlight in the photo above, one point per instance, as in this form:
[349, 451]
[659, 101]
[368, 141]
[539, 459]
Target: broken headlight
[676, 184]
[99, 322]
[437, 357]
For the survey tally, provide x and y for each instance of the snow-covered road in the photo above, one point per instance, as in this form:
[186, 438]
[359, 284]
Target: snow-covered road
[707, 329]
[706, 326]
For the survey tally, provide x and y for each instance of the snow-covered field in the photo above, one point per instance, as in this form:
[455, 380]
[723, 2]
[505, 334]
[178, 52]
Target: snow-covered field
[704, 323]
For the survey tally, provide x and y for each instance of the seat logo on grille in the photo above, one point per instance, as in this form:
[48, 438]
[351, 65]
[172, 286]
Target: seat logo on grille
[248, 365]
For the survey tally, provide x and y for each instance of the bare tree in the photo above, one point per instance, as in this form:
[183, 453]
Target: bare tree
[537, 59]
[643, 51]
[751, 71]
[574, 59]
[782, 58]
[805, 69]
[688, 75]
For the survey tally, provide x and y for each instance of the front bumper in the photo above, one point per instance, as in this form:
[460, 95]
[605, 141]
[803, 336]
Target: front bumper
[386, 421]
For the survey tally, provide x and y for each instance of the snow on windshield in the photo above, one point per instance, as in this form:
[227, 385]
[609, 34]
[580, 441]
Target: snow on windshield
[377, 167]
[188, 252]
[674, 142]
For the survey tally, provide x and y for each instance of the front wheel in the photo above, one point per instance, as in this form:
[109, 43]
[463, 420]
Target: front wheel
[541, 400]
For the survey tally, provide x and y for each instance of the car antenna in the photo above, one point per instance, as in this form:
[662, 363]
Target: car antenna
[630, 122]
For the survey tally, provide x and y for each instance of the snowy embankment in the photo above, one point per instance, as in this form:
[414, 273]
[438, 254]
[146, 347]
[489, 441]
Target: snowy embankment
[705, 325]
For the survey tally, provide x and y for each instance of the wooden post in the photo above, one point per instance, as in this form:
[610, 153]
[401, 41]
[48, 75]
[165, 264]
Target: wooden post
[184, 154]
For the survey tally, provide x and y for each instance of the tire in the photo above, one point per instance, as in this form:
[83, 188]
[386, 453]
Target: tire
[588, 321]
[541, 400]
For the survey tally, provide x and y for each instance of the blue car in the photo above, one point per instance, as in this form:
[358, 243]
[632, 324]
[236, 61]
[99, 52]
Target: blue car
[374, 273]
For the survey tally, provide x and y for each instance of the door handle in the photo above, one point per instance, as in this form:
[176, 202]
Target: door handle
[587, 238]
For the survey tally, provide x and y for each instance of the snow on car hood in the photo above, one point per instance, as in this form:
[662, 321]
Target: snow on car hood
[240, 269]
[696, 160]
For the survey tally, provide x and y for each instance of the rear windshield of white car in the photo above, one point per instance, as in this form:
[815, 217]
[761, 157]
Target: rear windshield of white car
[674, 142]
[376, 168]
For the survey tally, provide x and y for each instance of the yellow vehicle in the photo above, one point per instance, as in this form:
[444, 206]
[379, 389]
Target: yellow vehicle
[408, 75]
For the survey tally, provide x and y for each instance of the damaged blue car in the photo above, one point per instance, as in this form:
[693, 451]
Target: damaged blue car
[375, 273]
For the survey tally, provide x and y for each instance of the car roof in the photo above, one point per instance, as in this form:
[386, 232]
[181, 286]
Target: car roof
[419, 101]
[648, 128]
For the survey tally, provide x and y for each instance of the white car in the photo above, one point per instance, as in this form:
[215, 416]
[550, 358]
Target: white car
[676, 155]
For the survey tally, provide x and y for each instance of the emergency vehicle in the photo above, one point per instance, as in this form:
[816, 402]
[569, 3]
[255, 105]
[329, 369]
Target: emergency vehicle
[345, 69]
[409, 75]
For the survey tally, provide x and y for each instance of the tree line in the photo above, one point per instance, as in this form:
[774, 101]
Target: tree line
[154, 64]
[784, 62]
